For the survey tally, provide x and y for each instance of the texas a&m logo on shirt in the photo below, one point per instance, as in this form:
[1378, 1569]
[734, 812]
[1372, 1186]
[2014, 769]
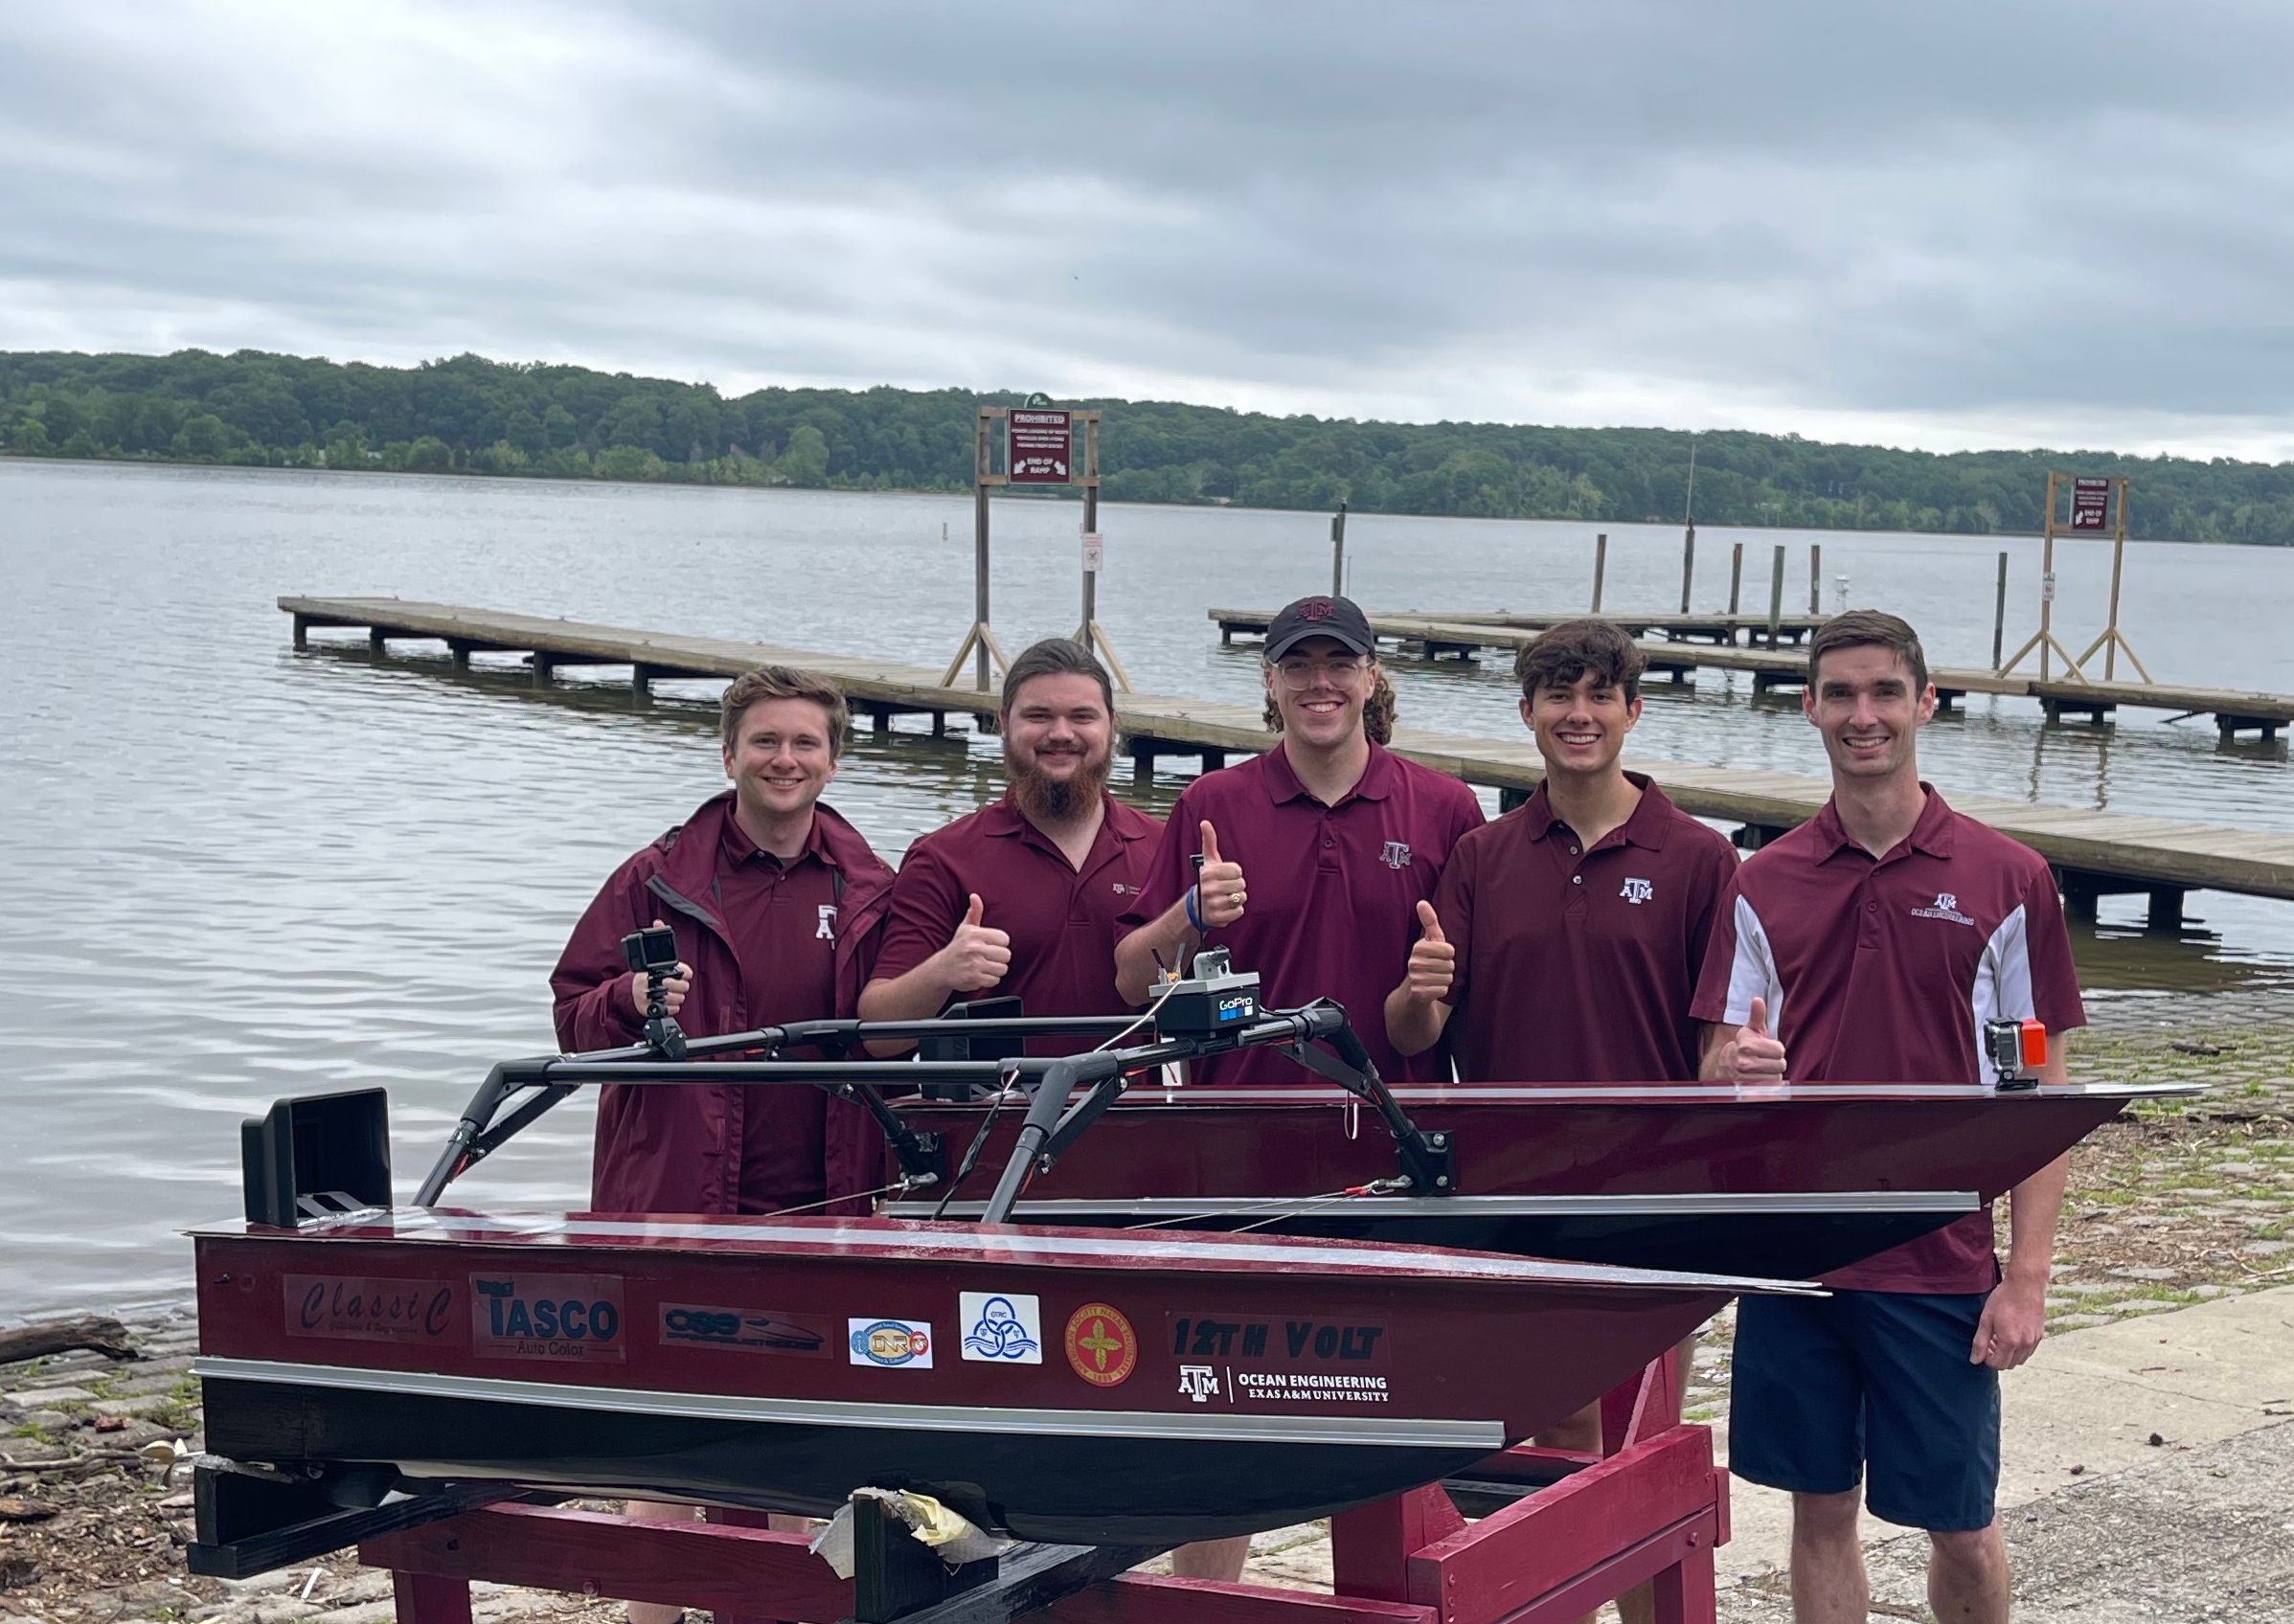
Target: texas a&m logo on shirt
[1396, 854]
[1636, 891]
[1947, 907]
[826, 930]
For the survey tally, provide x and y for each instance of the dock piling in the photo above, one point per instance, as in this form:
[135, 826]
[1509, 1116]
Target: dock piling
[1600, 568]
[1999, 615]
[1816, 578]
[1735, 576]
[1776, 594]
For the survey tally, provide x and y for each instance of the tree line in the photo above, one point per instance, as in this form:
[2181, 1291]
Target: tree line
[469, 415]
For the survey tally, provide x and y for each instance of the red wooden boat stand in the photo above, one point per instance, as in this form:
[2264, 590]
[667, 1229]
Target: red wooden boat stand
[1557, 1534]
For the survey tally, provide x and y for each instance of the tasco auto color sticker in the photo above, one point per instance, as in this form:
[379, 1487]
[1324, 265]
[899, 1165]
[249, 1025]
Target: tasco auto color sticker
[1101, 1347]
[894, 1343]
[1005, 1329]
[562, 1317]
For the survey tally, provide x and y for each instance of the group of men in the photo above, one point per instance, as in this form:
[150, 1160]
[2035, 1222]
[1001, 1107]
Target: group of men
[1595, 934]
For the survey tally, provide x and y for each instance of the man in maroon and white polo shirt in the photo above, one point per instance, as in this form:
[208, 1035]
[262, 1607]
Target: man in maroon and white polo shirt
[1341, 841]
[1870, 945]
[1022, 897]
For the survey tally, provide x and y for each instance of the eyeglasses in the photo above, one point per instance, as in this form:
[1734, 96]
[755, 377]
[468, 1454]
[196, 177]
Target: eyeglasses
[1299, 675]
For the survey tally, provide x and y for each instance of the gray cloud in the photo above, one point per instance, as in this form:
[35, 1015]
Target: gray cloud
[1944, 224]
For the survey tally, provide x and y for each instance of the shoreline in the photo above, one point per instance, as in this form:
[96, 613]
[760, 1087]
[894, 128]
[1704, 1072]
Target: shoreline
[961, 494]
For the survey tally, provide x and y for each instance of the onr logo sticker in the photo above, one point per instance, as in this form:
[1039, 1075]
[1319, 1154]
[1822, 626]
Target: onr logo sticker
[1101, 1346]
[894, 1343]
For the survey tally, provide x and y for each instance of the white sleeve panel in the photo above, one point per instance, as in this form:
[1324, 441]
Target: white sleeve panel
[1752, 970]
[2003, 985]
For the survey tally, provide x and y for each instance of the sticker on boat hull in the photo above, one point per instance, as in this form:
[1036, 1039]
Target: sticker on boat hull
[745, 1330]
[892, 1344]
[567, 1318]
[1001, 1329]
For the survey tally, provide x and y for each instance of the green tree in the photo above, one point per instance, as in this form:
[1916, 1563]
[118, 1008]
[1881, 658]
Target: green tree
[429, 455]
[806, 462]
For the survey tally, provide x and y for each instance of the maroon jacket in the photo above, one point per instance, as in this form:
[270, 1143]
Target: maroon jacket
[678, 1149]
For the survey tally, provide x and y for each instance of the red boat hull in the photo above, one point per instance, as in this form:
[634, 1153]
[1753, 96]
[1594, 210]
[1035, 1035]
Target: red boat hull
[1179, 1388]
[1254, 1145]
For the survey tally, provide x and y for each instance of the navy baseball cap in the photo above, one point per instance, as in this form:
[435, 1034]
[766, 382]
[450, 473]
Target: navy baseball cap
[1319, 617]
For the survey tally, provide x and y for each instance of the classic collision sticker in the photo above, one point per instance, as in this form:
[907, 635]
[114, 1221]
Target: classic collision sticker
[894, 1343]
[750, 1330]
[563, 1317]
[362, 1308]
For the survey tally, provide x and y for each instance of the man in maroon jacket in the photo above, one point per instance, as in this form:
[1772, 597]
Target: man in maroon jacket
[777, 903]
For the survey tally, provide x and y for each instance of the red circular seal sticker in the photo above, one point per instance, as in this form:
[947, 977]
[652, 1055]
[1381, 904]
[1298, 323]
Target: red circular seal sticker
[1100, 1346]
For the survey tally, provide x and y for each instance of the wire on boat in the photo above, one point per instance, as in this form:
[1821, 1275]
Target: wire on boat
[1289, 1205]
[902, 1186]
[971, 1156]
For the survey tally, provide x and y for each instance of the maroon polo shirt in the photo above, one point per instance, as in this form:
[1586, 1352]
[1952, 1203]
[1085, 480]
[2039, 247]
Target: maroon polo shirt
[1333, 891]
[1576, 963]
[782, 922]
[1061, 919]
[1882, 970]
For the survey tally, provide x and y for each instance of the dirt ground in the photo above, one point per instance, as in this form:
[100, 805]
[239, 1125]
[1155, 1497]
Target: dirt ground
[2181, 1201]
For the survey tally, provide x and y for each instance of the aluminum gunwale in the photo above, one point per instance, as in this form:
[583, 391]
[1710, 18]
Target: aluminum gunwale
[1013, 1247]
[1052, 1210]
[1207, 1425]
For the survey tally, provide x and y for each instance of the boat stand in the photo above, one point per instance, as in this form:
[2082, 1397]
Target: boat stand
[1556, 1534]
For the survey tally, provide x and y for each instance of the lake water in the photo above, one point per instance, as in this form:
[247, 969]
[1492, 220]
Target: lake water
[239, 872]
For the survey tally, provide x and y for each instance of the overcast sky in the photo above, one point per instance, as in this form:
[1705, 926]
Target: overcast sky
[1926, 223]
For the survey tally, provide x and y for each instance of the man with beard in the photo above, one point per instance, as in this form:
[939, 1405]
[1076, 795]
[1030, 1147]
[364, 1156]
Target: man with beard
[1021, 897]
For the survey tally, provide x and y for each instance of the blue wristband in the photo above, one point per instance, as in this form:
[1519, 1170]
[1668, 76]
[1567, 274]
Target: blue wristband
[1195, 918]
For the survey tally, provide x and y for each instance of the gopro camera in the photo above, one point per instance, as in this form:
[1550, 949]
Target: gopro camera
[1216, 998]
[2018, 1050]
[651, 953]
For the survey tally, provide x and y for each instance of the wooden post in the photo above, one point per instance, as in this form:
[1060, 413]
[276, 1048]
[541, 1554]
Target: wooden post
[1689, 539]
[2113, 640]
[1816, 578]
[1091, 634]
[980, 570]
[980, 643]
[302, 631]
[1600, 568]
[1999, 614]
[1776, 594]
[1735, 582]
[2044, 640]
[377, 639]
[1338, 552]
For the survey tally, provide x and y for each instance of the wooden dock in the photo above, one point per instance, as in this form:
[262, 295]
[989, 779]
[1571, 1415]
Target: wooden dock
[2096, 853]
[1716, 627]
[2233, 712]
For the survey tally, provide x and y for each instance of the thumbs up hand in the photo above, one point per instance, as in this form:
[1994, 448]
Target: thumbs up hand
[1219, 892]
[978, 956]
[1433, 961]
[1757, 1056]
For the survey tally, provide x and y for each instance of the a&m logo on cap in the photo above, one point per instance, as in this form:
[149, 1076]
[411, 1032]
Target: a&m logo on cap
[1315, 609]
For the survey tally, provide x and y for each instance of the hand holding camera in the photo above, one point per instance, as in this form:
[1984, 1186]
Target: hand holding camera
[658, 980]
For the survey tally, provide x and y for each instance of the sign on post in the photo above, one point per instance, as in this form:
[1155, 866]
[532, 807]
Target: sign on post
[1037, 447]
[2090, 500]
[1095, 553]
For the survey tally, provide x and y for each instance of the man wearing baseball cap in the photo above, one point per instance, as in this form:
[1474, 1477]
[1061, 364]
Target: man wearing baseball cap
[1341, 841]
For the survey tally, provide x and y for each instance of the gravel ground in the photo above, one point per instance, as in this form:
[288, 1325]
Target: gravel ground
[2182, 1201]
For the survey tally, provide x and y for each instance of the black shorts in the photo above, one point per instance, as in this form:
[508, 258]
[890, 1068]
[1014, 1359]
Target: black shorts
[1826, 1389]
